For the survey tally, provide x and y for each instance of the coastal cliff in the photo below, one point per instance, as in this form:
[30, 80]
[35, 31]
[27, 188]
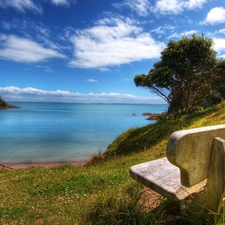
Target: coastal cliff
[5, 105]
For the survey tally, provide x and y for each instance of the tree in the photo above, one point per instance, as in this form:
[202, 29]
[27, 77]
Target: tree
[187, 73]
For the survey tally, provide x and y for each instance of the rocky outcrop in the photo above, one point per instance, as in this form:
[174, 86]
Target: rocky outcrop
[154, 116]
[5, 105]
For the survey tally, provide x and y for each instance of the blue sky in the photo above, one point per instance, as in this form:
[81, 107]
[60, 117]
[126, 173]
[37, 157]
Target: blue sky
[90, 50]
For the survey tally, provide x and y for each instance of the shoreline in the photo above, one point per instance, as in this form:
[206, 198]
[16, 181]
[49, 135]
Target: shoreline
[16, 166]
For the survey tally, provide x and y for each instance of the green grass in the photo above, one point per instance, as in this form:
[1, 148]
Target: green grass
[101, 192]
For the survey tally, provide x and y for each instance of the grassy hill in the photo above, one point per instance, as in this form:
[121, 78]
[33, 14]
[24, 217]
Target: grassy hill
[101, 192]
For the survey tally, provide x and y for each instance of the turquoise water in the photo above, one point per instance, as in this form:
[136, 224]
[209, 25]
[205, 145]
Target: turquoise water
[44, 132]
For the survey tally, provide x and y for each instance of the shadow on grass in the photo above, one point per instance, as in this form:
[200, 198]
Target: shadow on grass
[138, 209]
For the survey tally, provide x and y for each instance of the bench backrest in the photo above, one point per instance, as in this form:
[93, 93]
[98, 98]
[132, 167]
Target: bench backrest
[190, 150]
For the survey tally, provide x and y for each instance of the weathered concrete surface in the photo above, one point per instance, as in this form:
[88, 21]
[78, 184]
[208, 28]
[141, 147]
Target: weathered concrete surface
[159, 175]
[212, 195]
[164, 178]
[190, 150]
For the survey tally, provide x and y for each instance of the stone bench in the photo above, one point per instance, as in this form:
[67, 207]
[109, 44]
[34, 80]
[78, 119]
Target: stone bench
[194, 169]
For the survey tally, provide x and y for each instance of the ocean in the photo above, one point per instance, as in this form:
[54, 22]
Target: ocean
[60, 132]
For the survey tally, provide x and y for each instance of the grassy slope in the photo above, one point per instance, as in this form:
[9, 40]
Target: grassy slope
[101, 193]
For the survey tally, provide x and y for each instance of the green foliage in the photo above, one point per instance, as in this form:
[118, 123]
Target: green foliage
[187, 73]
[3, 103]
[213, 98]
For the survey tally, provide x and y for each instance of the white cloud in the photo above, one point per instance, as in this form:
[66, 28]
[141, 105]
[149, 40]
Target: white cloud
[92, 80]
[45, 68]
[103, 69]
[184, 33]
[6, 25]
[63, 2]
[162, 29]
[219, 46]
[25, 27]
[24, 50]
[113, 41]
[175, 7]
[144, 8]
[60, 2]
[169, 6]
[216, 33]
[215, 16]
[141, 7]
[21, 5]
[188, 33]
[24, 5]
[3, 37]
[41, 32]
[222, 56]
[221, 31]
[31, 94]
[193, 4]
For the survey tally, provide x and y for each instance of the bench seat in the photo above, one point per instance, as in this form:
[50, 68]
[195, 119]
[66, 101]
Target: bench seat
[164, 178]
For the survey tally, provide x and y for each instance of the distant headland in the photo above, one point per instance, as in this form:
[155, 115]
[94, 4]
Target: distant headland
[5, 105]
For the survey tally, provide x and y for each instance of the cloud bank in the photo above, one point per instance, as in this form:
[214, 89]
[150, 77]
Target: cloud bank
[30, 94]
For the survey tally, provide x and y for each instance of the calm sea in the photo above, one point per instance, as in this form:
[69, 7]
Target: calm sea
[44, 132]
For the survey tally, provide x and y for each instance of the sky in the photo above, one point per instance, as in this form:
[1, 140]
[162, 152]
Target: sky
[88, 51]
